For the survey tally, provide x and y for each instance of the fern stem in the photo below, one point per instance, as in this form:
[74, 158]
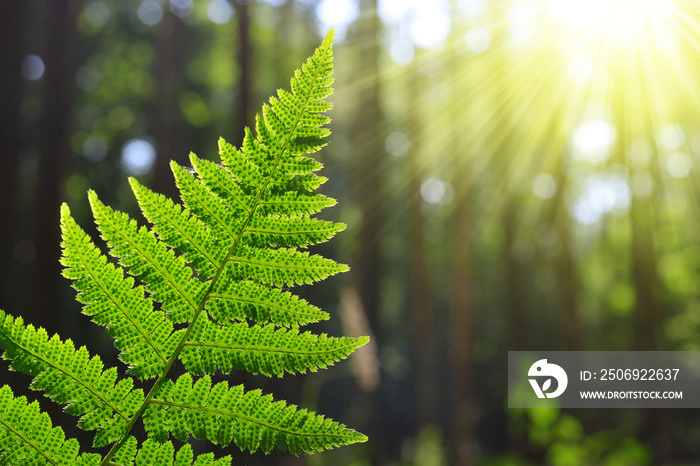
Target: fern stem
[132, 422]
[162, 377]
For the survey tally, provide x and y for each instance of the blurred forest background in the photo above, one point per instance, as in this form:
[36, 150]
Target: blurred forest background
[515, 175]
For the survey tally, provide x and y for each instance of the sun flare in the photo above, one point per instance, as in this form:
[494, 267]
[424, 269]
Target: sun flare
[620, 22]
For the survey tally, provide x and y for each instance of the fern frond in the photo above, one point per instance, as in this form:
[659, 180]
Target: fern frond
[143, 335]
[28, 437]
[205, 285]
[161, 454]
[262, 349]
[72, 377]
[249, 419]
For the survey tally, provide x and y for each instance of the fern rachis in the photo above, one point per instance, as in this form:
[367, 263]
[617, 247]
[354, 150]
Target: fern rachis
[205, 285]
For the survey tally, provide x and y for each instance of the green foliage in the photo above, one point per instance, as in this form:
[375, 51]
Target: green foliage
[203, 286]
[27, 437]
[562, 439]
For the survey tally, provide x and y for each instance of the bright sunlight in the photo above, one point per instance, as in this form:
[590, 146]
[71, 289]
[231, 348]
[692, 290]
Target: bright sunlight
[619, 22]
[556, 89]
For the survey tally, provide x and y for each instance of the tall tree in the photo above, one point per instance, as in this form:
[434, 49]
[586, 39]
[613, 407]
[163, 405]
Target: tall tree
[461, 317]
[424, 330]
[12, 15]
[245, 85]
[633, 120]
[367, 179]
[169, 66]
[367, 189]
[558, 219]
[59, 54]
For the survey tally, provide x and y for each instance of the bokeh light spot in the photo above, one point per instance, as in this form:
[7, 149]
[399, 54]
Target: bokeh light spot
[593, 140]
[520, 18]
[401, 51]
[219, 11]
[121, 117]
[97, 14]
[397, 144]
[150, 12]
[33, 67]
[544, 186]
[599, 196]
[138, 157]
[471, 8]
[478, 40]
[671, 137]
[181, 8]
[393, 10]
[430, 25]
[679, 165]
[337, 14]
[195, 109]
[435, 191]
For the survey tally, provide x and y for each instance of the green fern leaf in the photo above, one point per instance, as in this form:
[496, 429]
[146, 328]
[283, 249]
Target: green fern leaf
[27, 436]
[262, 349]
[145, 338]
[296, 232]
[249, 176]
[206, 284]
[177, 228]
[71, 377]
[242, 299]
[249, 419]
[165, 275]
[293, 204]
[280, 267]
[224, 212]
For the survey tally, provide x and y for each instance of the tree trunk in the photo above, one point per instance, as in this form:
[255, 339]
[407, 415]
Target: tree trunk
[460, 237]
[628, 106]
[245, 86]
[168, 71]
[424, 328]
[366, 189]
[647, 316]
[513, 287]
[12, 15]
[366, 177]
[53, 146]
